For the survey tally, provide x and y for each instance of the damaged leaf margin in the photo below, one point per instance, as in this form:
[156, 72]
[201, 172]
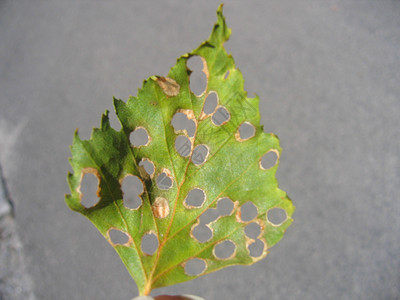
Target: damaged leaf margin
[231, 169]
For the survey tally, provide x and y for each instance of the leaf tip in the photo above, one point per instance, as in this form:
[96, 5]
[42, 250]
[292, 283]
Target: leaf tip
[105, 121]
[76, 137]
[220, 32]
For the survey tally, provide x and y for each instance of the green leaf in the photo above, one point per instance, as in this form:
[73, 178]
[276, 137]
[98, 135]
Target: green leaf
[232, 174]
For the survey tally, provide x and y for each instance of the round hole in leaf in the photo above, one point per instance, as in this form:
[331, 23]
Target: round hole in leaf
[183, 145]
[224, 249]
[89, 187]
[256, 248]
[202, 233]
[149, 243]
[252, 230]
[198, 79]
[199, 155]
[246, 131]
[195, 198]
[132, 188]
[269, 159]
[181, 122]
[225, 206]
[220, 116]
[276, 216]
[208, 216]
[195, 267]
[139, 137]
[118, 237]
[248, 212]
[148, 166]
[211, 103]
[164, 182]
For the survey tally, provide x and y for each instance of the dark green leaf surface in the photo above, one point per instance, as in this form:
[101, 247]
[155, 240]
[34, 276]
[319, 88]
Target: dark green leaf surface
[232, 169]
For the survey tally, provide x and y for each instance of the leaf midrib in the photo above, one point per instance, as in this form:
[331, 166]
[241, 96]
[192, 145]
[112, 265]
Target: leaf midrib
[166, 236]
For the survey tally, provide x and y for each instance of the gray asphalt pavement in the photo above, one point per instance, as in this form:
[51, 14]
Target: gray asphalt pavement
[328, 75]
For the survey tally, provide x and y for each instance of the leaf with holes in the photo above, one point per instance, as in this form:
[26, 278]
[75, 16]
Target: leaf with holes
[187, 186]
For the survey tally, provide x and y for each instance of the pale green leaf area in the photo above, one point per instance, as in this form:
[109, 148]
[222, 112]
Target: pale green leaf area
[231, 183]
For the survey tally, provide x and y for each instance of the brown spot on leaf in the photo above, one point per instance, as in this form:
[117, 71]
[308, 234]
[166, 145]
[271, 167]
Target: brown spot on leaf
[169, 86]
[160, 208]
[188, 112]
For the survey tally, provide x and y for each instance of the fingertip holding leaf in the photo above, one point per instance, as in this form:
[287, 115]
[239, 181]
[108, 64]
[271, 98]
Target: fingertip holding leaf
[169, 297]
[187, 186]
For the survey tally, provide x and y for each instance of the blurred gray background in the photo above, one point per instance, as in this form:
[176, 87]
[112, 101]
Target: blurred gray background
[328, 75]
